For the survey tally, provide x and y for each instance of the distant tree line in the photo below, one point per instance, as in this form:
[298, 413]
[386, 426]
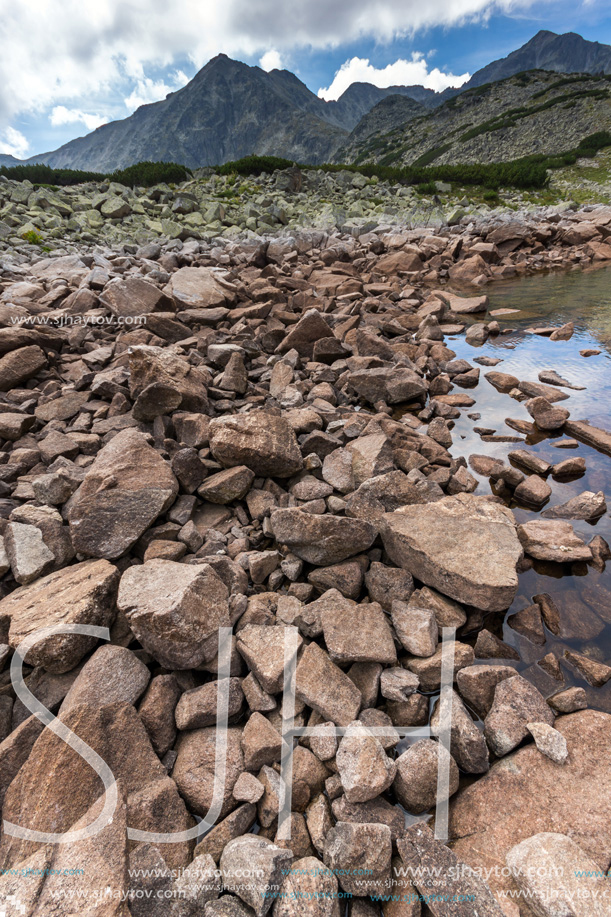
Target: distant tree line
[141, 174]
[529, 172]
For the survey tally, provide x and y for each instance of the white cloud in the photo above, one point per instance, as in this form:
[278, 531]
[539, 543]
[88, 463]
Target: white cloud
[401, 73]
[271, 60]
[89, 54]
[63, 115]
[148, 90]
[13, 143]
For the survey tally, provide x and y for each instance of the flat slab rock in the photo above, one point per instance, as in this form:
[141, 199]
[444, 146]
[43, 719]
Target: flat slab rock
[197, 288]
[553, 540]
[81, 594]
[526, 793]
[324, 539]
[124, 491]
[464, 546]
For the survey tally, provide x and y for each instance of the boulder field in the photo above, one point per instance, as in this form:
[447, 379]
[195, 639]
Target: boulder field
[258, 437]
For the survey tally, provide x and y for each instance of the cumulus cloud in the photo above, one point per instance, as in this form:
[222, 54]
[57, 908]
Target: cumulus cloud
[271, 60]
[62, 115]
[147, 90]
[82, 53]
[13, 143]
[401, 73]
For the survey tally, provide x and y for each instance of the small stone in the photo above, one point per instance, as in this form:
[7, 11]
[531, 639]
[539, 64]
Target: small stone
[569, 701]
[549, 741]
[477, 684]
[467, 743]
[533, 490]
[261, 743]
[588, 506]
[516, 703]
[247, 788]
[397, 683]
[416, 782]
[308, 890]
[324, 742]
[358, 633]
[27, 552]
[325, 688]
[595, 673]
[359, 855]
[198, 707]
[429, 670]
[228, 485]
[364, 768]
[263, 648]
[416, 628]
[546, 416]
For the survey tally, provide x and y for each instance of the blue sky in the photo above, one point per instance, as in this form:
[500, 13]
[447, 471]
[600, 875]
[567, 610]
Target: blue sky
[68, 65]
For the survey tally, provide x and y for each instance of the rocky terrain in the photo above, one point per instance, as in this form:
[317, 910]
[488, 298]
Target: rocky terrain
[532, 112]
[229, 110]
[35, 219]
[257, 435]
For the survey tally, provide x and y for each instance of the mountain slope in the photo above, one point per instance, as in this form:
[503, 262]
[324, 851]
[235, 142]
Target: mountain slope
[532, 112]
[568, 53]
[388, 114]
[226, 111]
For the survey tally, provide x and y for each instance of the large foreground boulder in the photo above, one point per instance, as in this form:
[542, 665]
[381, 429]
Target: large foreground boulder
[526, 793]
[464, 546]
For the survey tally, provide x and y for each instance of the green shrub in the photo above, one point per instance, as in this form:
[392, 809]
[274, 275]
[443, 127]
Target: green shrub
[432, 155]
[254, 165]
[32, 237]
[145, 174]
[45, 175]
[141, 173]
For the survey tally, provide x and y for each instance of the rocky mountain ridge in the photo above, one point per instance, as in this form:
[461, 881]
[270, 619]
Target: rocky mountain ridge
[229, 110]
[531, 112]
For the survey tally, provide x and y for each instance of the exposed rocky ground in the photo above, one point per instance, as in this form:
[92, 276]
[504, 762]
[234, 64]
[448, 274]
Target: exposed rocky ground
[208, 206]
[257, 435]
